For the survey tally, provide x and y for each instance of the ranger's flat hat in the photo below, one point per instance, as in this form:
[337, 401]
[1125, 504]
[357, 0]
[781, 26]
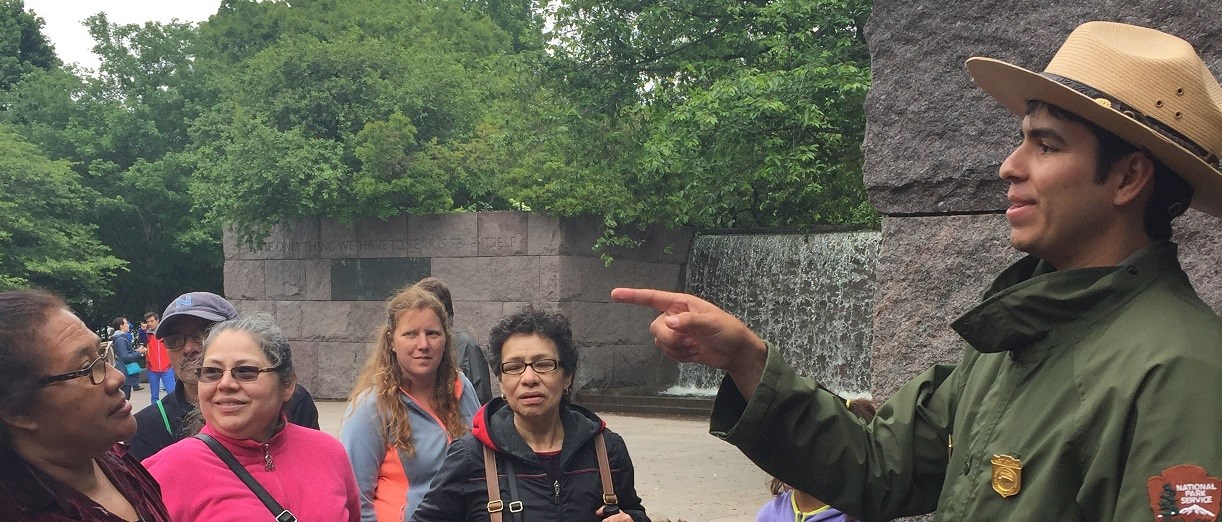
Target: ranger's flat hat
[1145, 86]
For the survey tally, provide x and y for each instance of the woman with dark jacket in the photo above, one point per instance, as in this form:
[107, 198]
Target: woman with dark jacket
[545, 447]
[126, 353]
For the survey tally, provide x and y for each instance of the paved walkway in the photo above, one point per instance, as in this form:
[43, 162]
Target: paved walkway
[682, 472]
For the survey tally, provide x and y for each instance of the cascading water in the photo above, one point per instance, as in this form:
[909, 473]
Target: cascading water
[811, 295]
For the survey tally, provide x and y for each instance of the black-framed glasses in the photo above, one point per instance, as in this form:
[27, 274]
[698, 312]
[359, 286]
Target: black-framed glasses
[540, 366]
[212, 374]
[96, 371]
[176, 342]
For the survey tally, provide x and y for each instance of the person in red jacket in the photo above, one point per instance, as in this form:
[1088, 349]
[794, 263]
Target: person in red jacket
[161, 373]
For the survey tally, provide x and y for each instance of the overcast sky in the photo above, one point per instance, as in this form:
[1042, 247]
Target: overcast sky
[71, 40]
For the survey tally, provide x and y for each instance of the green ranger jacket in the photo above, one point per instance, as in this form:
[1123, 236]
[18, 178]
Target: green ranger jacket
[1087, 387]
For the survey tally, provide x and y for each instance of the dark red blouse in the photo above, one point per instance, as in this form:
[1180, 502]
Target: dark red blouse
[28, 494]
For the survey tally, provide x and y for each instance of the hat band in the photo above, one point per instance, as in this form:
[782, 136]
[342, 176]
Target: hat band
[1149, 122]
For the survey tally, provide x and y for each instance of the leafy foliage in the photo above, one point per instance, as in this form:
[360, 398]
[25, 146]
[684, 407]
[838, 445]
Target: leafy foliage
[42, 241]
[348, 121]
[123, 132]
[747, 113]
[707, 113]
[23, 47]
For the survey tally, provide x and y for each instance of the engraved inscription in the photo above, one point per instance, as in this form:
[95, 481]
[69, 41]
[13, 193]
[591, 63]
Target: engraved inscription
[330, 246]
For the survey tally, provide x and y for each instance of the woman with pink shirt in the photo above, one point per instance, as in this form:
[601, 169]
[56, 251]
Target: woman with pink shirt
[245, 380]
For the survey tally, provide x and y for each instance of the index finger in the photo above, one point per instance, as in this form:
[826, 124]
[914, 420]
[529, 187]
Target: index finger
[656, 299]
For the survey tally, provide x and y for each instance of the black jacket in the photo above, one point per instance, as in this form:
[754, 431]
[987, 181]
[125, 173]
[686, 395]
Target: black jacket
[460, 491]
[154, 432]
[474, 365]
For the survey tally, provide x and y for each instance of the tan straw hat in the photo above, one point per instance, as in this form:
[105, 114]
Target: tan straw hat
[1145, 86]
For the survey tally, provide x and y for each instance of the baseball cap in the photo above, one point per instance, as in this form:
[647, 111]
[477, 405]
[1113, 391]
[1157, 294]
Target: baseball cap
[205, 305]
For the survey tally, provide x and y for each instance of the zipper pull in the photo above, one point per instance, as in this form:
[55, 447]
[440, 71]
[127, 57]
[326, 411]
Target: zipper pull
[268, 465]
[556, 488]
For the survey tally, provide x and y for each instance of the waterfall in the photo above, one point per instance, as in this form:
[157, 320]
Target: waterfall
[811, 295]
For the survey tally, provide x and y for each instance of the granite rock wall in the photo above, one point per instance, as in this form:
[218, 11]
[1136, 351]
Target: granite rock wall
[326, 283]
[934, 143]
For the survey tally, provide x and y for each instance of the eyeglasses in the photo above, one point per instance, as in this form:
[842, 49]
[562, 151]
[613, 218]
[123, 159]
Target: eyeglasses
[95, 371]
[176, 342]
[212, 374]
[540, 366]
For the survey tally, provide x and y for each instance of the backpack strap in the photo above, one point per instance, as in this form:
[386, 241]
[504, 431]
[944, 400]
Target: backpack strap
[166, 419]
[495, 504]
[604, 470]
[281, 514]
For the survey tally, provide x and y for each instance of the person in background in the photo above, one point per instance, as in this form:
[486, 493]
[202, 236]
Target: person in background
[547, 448]
[63, 416]
[183, 327]
[160, 372]
[245, 380]
[409, 403]
[470, 357]
[791, 505]
[126, 354]
[141, 338]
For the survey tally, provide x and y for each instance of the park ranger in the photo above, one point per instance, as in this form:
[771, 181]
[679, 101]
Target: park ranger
[1090, 387]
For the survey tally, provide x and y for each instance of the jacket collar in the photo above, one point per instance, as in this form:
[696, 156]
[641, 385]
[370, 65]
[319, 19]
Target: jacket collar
[1030, 302]
[493, 426]
[250, 448]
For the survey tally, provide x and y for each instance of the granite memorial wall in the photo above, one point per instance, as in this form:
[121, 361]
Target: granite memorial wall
[326, 285]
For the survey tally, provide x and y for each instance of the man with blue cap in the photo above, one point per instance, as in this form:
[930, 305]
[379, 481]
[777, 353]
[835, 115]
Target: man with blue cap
[184, 326]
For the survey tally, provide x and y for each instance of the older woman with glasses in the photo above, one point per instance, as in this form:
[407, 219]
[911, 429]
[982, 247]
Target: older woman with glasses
[245, 378]
[63, 413]
[533, 455]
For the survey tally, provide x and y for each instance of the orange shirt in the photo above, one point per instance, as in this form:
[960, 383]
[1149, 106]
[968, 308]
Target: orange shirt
[158, 357]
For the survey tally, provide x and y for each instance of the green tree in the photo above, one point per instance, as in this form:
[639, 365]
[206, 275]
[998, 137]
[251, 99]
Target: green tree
[728, 113]
[124, 131]
[45, 238]
[365, 110]
[23, 47]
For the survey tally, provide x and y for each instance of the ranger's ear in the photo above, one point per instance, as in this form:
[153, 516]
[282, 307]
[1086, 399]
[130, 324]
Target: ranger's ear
[1135, 177]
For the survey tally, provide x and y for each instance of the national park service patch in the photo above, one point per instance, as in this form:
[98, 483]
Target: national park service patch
[1184, 493]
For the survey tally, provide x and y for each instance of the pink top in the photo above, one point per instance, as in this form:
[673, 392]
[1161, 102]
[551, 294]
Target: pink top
[312, 478]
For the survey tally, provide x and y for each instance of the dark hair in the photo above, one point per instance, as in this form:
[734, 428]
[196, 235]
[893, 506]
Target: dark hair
[117, 322]
[22, 313]
[147, 315]
[438, 288]
[1171, 194]
[531, 320]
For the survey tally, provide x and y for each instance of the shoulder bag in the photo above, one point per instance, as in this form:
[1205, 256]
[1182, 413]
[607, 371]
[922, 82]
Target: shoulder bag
[281, 514]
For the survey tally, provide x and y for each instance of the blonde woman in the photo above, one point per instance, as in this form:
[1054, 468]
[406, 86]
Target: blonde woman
[410, 402]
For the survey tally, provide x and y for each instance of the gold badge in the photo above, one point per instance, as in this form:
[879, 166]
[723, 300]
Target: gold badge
[1007, 475]
[1104, 102]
